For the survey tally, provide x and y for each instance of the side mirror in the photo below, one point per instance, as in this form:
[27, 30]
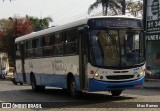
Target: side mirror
[82, 28]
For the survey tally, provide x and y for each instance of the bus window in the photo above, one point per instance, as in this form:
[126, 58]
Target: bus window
[70, 42]
[58, 44]
[29, 50]
[47, 48]
[18, 51]
[37, 44]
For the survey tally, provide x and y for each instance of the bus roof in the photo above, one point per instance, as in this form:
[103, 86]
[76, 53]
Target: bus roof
[66, 26]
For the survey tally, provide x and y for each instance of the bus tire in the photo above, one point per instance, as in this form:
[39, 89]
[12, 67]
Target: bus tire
[21, 83]
[116, 92]
[36, 87]
[72, 88]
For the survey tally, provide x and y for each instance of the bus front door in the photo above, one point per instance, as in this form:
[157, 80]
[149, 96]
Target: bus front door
[23, 62]
[83, 60]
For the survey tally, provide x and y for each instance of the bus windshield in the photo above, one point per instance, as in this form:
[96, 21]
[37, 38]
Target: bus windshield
[116, 47]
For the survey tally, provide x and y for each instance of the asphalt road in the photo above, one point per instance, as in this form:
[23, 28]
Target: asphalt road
[57, 99]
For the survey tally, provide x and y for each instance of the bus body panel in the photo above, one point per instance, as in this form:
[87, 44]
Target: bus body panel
[51, 71]
[107, 79]
[96, 85]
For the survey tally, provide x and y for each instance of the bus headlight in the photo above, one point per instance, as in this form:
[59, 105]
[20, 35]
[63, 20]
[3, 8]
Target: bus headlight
[96, 75]
[142, 73]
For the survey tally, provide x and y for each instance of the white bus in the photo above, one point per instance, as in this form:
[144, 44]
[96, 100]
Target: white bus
[95, 54]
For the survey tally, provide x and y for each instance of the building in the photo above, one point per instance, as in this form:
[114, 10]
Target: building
[153, 55]
[4, 63]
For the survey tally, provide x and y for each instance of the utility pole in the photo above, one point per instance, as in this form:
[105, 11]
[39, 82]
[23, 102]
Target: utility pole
[1, 62]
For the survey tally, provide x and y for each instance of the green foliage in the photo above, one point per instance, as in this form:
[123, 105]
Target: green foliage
[39, 24]
[14, 27]
[135, 8]
[112, 5]
[118, 7]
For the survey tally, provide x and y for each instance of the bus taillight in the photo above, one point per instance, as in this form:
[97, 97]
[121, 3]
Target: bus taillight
[138, 85]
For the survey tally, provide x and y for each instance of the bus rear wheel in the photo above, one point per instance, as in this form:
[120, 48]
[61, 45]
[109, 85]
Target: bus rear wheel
[35, 87]
[21, 83]
[116, 92]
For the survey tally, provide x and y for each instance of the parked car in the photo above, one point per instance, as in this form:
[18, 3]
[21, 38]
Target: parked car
[11, 71]
[15, 79]
[2, 76]
[3, 73]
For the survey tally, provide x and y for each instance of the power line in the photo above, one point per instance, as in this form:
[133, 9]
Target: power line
[74, 9]
[79, 15]
[65, 7]
[64, 18]
[83, 15]
[71, 5]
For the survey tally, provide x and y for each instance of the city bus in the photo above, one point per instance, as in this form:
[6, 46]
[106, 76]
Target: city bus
[105, 53]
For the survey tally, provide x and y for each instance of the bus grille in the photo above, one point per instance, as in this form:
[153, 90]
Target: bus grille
[119, 77]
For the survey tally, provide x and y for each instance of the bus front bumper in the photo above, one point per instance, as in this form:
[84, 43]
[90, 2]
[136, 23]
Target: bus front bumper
[96, 85]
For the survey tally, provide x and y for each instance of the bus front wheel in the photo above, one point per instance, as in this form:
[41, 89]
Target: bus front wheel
[116, 92]
[72, 89]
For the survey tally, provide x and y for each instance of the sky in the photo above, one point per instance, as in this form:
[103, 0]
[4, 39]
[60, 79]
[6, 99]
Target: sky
[61, 11]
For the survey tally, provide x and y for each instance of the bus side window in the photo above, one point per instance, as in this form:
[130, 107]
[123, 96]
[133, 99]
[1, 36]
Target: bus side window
[47, 46]
[38, 47]
[29, 50]
[70, 42]
[18, 51]
[57, 44]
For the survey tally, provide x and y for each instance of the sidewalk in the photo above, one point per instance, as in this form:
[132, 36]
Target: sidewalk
[8, 78]
[152, 84]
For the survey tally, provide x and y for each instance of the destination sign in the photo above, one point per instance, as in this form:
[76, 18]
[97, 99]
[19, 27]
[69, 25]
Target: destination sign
[114, 22]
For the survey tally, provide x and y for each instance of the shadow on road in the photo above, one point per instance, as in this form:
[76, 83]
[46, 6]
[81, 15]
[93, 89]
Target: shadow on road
[58, 98]
[54, 95]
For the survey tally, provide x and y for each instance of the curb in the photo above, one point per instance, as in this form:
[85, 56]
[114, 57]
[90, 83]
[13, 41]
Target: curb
[151, 84]
[7, 78]
[154, 87]
[152, 80]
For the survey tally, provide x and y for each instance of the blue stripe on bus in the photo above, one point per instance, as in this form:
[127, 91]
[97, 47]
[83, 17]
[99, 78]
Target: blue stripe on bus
[95, 85]
[53, 80]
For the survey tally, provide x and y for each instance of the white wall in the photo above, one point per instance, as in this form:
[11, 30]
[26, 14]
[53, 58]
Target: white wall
[4, 63]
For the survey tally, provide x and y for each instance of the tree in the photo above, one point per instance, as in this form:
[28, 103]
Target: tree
[135, 8]
[12, 28]
[112, 5]
[39, 24]
[123, 5]
[118, 6]
[23, 27]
